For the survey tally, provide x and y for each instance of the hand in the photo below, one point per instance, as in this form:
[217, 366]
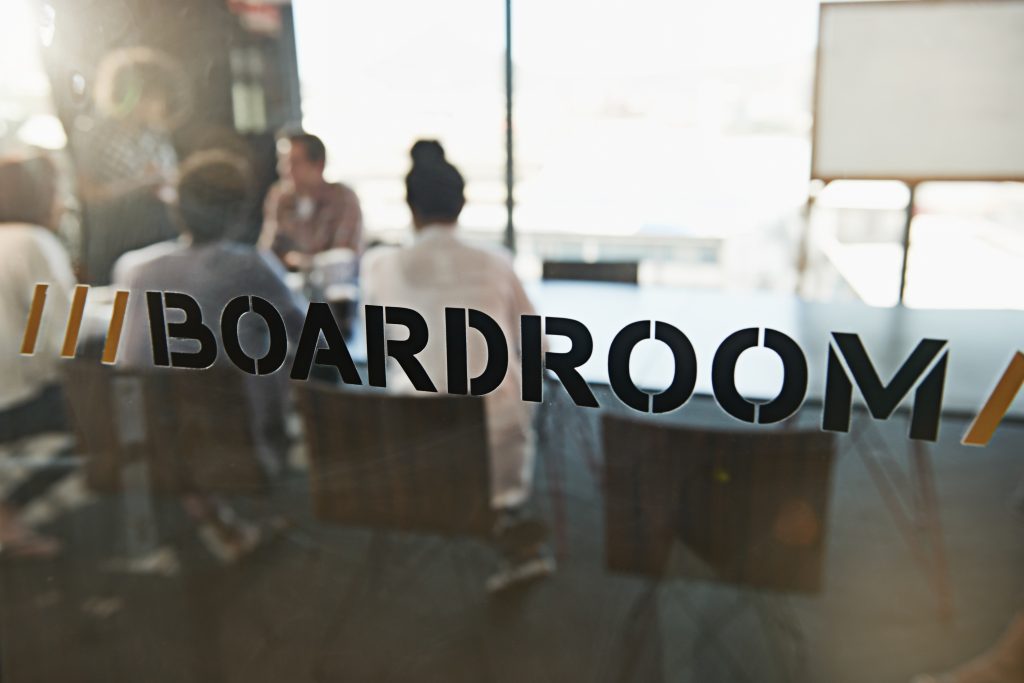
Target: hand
[296, 260]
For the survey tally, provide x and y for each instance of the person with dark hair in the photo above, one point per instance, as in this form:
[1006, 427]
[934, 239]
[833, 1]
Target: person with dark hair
[213, 191]
[441, 270]
[126, 161]
[31, 401]
[304, 214]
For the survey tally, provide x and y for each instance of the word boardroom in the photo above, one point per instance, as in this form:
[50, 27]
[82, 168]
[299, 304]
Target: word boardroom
[321, 342]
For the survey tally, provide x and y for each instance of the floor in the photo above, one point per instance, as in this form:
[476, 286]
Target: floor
[335, 604]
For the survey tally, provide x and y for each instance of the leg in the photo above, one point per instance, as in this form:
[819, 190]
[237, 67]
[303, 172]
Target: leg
[927, 504]
[520, 539]
[44, 413]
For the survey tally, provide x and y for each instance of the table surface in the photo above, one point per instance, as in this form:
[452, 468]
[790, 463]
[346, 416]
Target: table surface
[981, 343]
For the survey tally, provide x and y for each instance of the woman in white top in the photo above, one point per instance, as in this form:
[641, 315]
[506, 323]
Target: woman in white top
[441, 270]
[30, 398]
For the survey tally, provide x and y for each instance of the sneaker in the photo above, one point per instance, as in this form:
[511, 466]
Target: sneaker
[229, 544]
[520, 573]
[514, 531]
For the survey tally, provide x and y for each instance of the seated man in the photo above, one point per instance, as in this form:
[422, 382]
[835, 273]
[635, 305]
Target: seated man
[212, 193]
[304, 214]
[440, 270]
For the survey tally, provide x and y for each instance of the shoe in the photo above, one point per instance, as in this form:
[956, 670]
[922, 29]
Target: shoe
[520, 573]
[229, 544]
[514, 531]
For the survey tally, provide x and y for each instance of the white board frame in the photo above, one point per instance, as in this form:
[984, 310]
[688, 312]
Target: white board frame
[910, 180]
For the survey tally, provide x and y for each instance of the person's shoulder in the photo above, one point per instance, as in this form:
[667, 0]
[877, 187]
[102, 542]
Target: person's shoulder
[495, 255]
[27, 239]
[379, 255]
[16, 234]
[133, 261]
[247, 258]
[341, 192]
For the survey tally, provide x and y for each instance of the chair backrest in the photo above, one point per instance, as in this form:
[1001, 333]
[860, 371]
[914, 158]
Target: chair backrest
[194, 428]
[397, 462]
[598, 271]
[742, 507]
[111, 414]
[219, 432]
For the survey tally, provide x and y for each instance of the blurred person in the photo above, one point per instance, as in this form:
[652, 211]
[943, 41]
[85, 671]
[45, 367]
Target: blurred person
[441, 270]
[31, 400]
[304, 214]
[213, 190]
[127, 163]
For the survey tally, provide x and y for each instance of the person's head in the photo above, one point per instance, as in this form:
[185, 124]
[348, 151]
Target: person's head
[28, 191]
[143, 86]
[434, 189]
[301, 158]
[213, 193]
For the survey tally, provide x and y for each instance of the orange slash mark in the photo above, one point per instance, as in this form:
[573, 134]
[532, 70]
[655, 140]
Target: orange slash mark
[114, 331]
[74, 322]
[35, 317]
[984, 425]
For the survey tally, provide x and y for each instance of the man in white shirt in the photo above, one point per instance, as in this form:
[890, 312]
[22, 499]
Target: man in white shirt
[440, 270]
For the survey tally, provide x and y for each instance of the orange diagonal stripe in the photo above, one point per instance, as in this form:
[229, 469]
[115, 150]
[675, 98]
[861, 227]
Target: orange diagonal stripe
[114, 331]
[74, 321]
[35, 317]
[984, 425]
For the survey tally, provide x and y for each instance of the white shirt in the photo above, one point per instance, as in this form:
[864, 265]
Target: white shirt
[440, 270]
[29, 255]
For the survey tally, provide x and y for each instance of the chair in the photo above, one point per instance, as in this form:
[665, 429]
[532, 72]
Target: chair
[194, 429]
[598, 271]
[752, 505]
[111, 416]
[743, 508]
[396, 462]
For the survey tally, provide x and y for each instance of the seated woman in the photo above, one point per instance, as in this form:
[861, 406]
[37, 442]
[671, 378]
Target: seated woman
[31, 401]
[440, 270]
[213, 191]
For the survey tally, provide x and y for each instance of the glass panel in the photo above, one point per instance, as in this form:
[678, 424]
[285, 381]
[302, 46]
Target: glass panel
[257, 424]
[378, 77]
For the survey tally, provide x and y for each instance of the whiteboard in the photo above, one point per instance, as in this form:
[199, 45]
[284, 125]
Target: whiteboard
[920, 90]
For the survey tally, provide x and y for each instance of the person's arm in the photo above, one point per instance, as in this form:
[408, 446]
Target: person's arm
[271, 204]
[348, 233]
[291, 305]
[46, 262]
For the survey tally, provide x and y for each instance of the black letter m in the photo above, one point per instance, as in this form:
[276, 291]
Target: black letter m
[882, 400]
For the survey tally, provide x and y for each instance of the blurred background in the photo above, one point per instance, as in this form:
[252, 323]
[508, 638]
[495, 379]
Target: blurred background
[672, 135]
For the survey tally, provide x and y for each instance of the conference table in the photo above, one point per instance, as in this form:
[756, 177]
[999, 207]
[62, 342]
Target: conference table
[981, 343]
[981, 346]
